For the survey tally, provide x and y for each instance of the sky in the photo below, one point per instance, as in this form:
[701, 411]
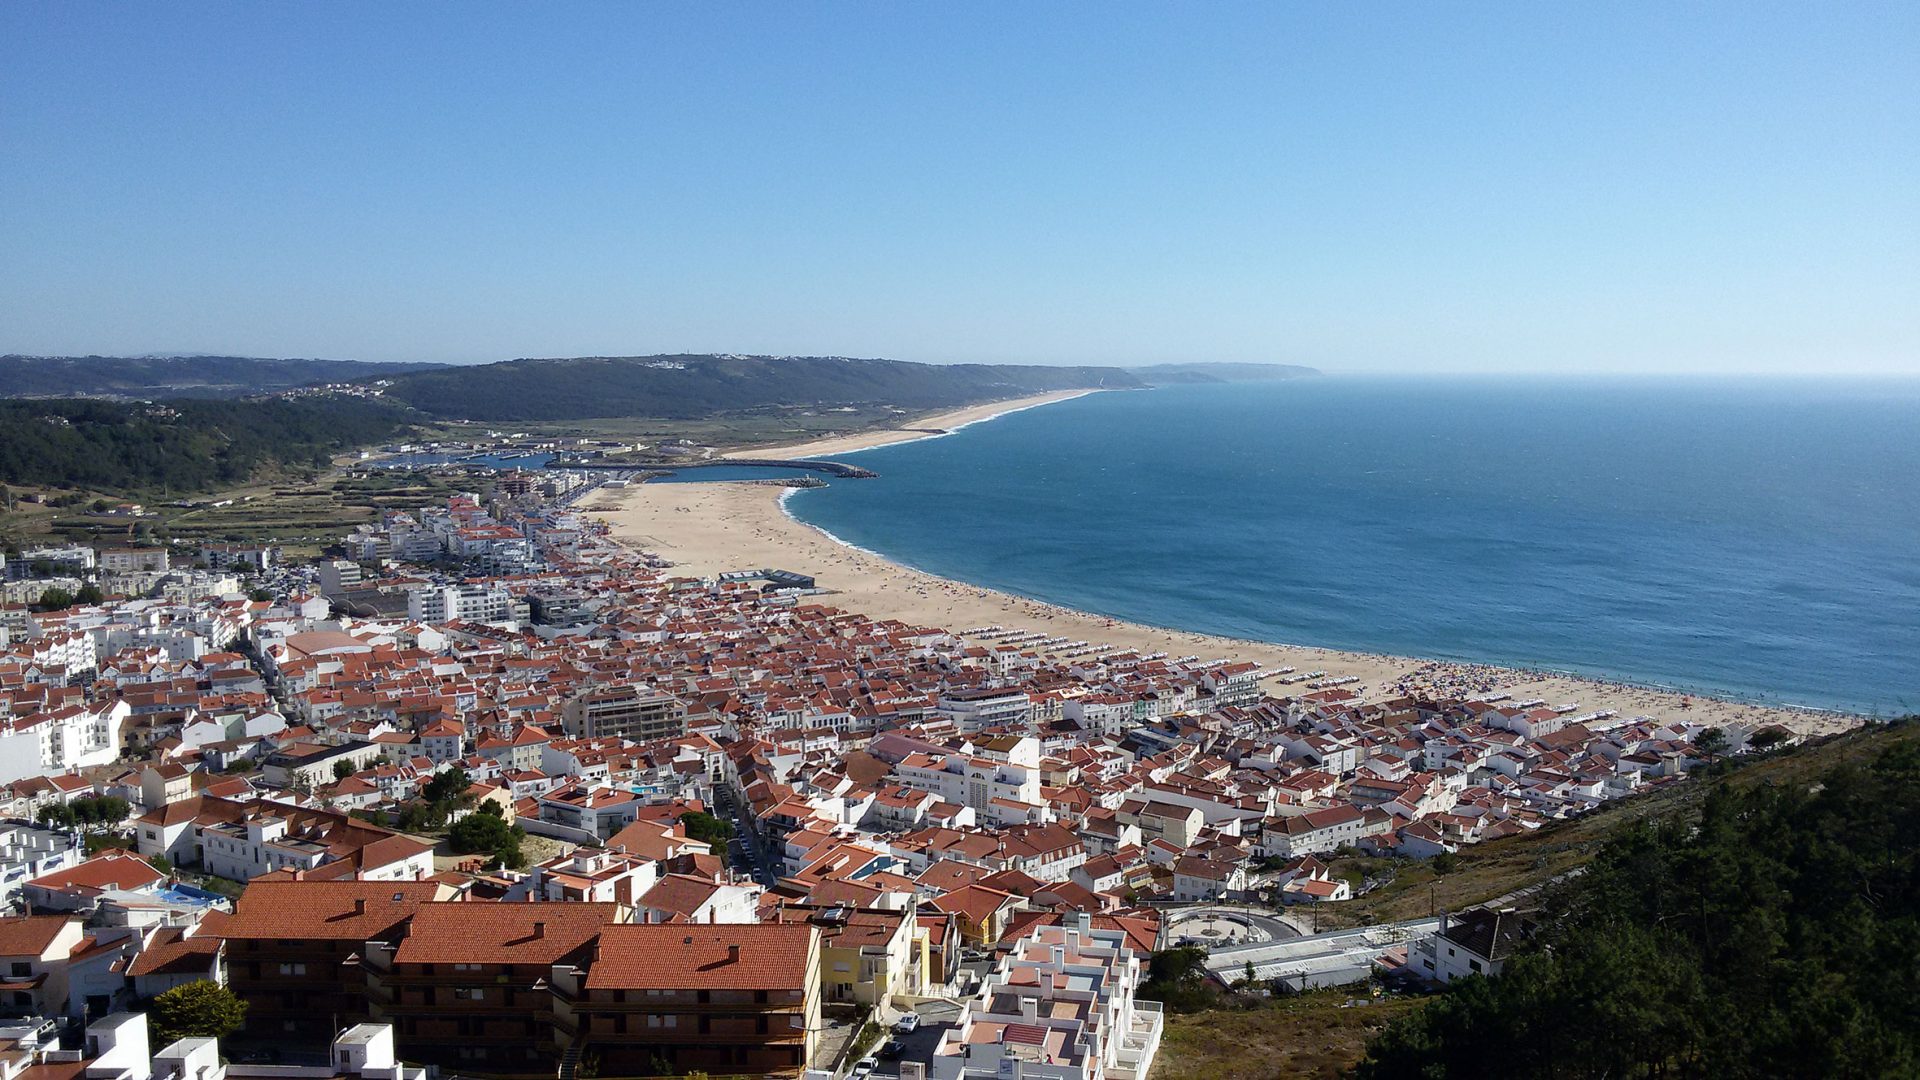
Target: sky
[1420, 187]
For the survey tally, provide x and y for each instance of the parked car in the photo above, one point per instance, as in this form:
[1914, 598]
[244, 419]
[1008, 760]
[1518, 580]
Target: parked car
[892, 1050]
[909, 1022]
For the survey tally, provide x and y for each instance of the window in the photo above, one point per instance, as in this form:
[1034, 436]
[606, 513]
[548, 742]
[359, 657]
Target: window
[466, 967]
[21, 971]
[293, 969]
[469, 995]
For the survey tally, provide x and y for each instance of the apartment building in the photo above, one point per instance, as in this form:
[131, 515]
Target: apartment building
[466, 603]
[1060, 1006]
[997, 791]
[289, 943]
[56, 740]
[470, 985]
[638, 713]
[133, 560]
[720, 999]
[983, 707]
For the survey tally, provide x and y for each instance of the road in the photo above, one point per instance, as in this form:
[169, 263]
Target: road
[744, 851]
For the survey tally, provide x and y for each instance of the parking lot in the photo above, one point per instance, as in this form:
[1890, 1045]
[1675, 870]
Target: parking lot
[936, 1017]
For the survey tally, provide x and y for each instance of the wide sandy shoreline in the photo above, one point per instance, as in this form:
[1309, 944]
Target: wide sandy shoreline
[708, 528]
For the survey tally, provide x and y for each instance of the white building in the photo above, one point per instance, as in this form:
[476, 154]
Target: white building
[1475, 942]
[1060, 1006]
[981, 783]
[28, 852]
[59, 740]
[981, 707]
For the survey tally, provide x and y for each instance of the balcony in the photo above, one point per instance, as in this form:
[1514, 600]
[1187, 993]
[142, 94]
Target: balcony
[1140, 1043]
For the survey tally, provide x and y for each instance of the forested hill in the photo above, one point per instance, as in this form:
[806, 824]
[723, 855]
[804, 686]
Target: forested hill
[1772, 937]
[693, 386]
[180, 446]
[154, 377]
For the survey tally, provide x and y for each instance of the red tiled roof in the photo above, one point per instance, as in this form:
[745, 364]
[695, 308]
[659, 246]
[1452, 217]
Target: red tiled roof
[326, 910]
[670, 957]
[114, 869]
[460, 932]
[171, 954]
[29, 935]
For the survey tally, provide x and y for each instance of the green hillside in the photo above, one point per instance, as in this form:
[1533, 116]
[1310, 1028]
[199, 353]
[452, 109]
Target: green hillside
[153, 377]
[692, 386]
[179, 446]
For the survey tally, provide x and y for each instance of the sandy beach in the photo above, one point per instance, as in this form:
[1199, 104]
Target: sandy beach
[708, 528]
[925, 427]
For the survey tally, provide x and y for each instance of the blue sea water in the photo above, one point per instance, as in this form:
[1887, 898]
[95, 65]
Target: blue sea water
[1754, 538]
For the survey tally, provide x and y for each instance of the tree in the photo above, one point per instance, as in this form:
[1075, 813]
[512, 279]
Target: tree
[707, 828]
[447, 789]
[1767, 738]
[485, 831]
[89, 594]
[1177, 978]
[55, 599]
[342, 769]
[712, 830]
[1712, 742]
[201, 1008]
[1751, 942]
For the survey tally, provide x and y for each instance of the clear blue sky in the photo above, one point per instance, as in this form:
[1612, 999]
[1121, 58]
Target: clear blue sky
[1433, 187]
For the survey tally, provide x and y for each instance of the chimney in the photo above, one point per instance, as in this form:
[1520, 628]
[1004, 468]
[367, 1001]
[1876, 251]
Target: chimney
[733, 954]
[539, 930]
[1029, 1010]
[360, 905]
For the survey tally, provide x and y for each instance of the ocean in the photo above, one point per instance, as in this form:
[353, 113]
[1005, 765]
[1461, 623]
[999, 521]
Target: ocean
[1757, 539]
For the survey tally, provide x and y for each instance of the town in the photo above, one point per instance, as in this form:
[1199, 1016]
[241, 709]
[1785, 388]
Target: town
[486, 792]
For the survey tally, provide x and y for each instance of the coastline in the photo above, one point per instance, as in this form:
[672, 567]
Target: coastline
[712, 527]
[936, 426]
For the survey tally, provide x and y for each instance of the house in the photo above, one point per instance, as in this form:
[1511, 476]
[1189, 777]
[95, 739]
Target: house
[1475, 942]
[867, 955]
[34, 950]
[1197, 877]
[685, 898]
[79, 888]
[983, 912]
